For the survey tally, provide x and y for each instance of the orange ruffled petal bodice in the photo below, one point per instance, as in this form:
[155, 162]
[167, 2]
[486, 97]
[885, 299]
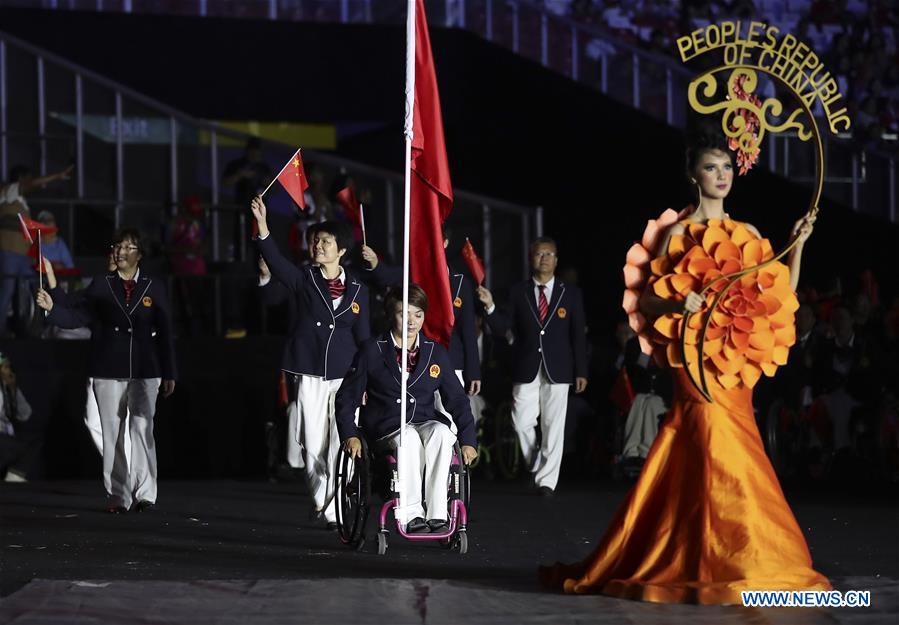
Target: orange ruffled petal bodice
[707, 518]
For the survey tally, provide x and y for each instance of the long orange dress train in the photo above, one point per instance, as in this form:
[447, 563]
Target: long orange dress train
[707, 518]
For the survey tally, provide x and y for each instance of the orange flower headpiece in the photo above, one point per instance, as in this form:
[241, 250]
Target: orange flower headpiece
[747, 151]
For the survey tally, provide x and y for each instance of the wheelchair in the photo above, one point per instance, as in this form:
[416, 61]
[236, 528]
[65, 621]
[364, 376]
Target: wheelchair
[357, 478]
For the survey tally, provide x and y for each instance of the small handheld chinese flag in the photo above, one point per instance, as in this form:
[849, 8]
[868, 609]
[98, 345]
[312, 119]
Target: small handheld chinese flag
[474, 264]
[293, 178]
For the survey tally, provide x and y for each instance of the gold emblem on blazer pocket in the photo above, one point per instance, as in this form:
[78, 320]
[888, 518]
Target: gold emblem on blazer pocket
[147, 301]
[355, 308]
[457, 302]
[434, 370]
[562, 313]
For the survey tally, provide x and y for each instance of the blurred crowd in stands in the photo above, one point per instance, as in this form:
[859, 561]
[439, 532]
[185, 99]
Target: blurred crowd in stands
[858, 40]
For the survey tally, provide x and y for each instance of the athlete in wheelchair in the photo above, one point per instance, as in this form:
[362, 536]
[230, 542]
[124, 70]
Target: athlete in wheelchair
[432, 461]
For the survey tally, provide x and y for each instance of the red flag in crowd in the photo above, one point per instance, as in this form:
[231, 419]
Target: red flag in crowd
[431, 189]
[30, 228]
[347, 199]
[474, 264]
[293, 179]
[622, 393]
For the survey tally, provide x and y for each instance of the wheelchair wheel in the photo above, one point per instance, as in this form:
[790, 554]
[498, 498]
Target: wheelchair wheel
[352, 492]
[460, 542]
[382, 543]
[508, 452]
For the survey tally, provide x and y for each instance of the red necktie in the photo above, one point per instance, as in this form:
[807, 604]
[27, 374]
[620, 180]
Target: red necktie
[336, 287]
[129, 290]
[411, 357]
[542, 304]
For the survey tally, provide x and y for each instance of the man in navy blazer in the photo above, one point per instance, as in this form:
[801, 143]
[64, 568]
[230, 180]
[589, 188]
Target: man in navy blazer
[331, 322]
[546, 318]
[376, 373]
[463, 341]
[132, 358]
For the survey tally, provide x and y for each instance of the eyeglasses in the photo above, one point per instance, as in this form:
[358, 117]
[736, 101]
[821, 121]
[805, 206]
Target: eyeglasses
[544, 254]
[119, 247]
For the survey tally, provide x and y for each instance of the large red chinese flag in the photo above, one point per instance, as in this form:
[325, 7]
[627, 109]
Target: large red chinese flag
[293, 179]
[475, 266]
[431, 189]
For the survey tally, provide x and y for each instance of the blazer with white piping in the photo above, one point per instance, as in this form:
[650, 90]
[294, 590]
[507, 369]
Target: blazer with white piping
[322, 341]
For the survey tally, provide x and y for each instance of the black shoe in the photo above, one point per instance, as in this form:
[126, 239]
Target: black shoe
[116, 509]
[144, 506]
[331, 526]
[545, 491]
[417, 526]
[438, 526]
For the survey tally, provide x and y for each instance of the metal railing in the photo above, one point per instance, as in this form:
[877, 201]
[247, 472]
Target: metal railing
[135, 157]
[586, 53]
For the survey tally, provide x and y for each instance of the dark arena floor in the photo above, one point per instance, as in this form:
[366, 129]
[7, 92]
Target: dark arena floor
[246, 552]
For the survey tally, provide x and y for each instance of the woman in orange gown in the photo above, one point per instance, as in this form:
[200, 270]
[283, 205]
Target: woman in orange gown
[707, 517]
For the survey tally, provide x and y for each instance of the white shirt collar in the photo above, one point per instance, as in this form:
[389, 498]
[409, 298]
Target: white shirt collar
[549, 285]
[341, 276]
[395, 344]
[136, 274]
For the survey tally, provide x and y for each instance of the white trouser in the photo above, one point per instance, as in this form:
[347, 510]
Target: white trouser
[425, 459]
[317, 433]
[92, 421]
[294, 450]
[642, 425]
[541, 399]
[438, 402]
[128, 480]
[478, 404]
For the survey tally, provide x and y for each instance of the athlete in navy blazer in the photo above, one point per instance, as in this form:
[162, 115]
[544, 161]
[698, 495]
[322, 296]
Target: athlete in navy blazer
[463, 347]
[429, 439]
[323, 340]
[558, 343]
[132, 358]
[331, 321]
[127, 341]
[546, 317]
[375, 370]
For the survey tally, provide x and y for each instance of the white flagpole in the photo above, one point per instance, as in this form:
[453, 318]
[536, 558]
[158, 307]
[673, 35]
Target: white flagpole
[40, 262]
[362, 219]
[407, 132]
[289, 161]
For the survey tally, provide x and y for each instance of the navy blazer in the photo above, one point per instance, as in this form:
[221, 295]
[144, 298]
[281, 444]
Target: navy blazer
[323, 341]
[559, 344]
[463, 341]
[375, 370]
[133, 342]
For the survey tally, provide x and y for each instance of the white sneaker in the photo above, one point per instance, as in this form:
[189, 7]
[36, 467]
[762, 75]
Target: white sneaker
[13, 476]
